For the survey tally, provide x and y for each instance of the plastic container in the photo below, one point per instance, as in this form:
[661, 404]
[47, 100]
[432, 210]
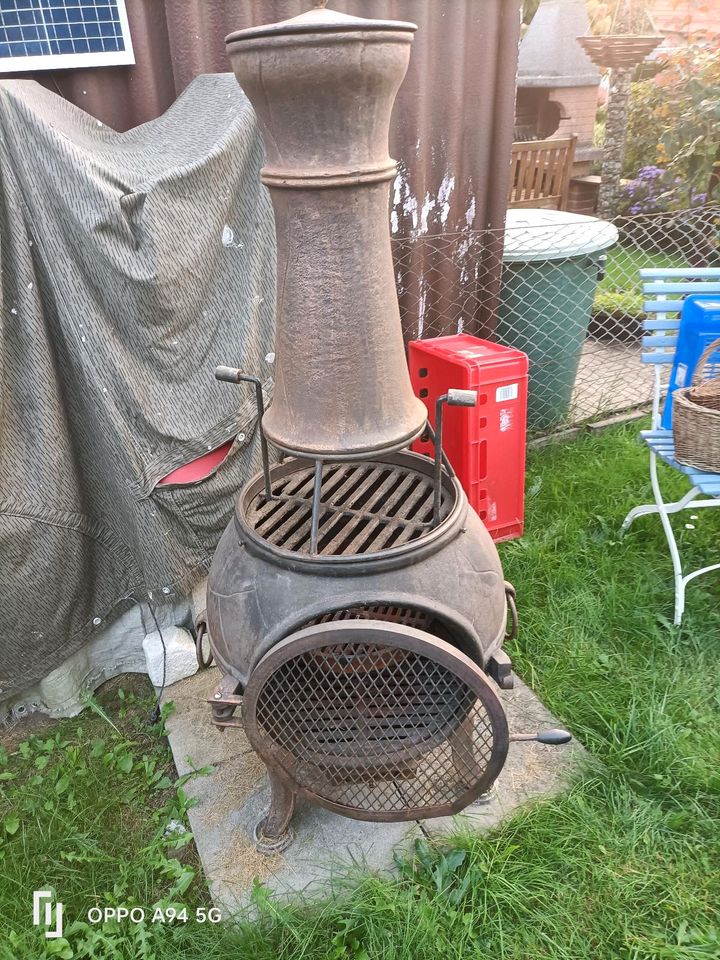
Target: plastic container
[550, 272]
[486, 443]
[699, 326]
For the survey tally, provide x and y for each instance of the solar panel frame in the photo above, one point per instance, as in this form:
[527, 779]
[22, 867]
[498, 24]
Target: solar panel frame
[63, 34]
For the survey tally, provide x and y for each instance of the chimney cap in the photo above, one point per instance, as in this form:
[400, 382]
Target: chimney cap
[319, 20]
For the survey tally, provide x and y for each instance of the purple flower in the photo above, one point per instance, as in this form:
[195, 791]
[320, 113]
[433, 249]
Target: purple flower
[636, 208]
[650, 173]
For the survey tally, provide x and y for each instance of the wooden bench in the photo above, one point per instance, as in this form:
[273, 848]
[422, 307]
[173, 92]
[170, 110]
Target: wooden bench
[540, 173]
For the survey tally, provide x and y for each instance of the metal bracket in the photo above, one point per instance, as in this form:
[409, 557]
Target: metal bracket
[225, 701]
[500, 669]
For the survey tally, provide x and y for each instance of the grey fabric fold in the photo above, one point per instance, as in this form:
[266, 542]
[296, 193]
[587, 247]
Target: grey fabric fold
[131, 265]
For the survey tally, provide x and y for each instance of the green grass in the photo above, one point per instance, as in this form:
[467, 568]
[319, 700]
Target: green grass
[626, 864]
[85, 806]
[619, 291]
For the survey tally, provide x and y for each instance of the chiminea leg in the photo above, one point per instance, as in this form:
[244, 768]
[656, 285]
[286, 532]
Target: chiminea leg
[274, 833]
[468, 770]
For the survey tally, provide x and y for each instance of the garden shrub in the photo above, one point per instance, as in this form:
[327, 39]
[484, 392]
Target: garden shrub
[674, 121]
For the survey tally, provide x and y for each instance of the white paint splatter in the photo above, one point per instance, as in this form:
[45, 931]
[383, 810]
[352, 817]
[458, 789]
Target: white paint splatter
[394, 222]
[403, 198]
[422, 303]
[470, 212]
[410, 208]
[446, 188]
[427, 208]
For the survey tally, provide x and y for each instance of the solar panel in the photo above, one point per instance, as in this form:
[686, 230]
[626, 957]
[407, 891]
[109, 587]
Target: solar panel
[58, 34]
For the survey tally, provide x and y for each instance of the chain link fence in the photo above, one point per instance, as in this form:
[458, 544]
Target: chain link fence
[570, 297]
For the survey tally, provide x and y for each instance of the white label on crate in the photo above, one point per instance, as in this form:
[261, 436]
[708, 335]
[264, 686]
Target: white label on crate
[506, 419]
[681, 375]
[508, 392]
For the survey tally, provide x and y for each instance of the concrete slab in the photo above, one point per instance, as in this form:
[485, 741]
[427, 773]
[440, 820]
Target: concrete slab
[610, 378]
[234, 797]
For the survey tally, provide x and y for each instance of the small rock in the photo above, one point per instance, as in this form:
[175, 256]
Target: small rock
[179, 655]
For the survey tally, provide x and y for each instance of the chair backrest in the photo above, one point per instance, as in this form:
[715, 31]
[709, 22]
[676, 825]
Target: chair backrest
[540, 173]
[665, 289]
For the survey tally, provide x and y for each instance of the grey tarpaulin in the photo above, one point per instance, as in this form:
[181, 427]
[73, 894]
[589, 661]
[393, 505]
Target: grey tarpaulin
[132, 264]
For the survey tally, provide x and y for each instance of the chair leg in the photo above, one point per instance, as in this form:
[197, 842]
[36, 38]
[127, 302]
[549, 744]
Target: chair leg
[640, 511]
[648, 508]
[672, 543]
[679, 600]
[714, 567]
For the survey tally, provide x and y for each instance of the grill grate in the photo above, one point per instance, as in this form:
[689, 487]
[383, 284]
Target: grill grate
[407, 616]
[375, 728]
[365, 508]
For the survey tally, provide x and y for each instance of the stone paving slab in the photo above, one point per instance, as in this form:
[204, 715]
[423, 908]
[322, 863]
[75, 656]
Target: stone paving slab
[234, 797]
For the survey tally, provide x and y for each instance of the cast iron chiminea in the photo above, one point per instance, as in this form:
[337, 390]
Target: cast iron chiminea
[356, 605]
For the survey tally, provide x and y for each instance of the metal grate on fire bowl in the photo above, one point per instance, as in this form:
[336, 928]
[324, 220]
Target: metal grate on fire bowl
[376, 720]
[366, 507]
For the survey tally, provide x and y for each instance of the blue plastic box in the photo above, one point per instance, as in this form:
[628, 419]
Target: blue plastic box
[699, 326]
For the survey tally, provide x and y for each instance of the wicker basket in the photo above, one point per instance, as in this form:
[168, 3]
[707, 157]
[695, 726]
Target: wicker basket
[696, 419]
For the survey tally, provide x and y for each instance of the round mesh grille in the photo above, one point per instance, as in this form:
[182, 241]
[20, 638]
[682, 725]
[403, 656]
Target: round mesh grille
[383, 720]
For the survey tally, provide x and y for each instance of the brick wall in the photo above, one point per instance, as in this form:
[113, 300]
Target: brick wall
[579, 106]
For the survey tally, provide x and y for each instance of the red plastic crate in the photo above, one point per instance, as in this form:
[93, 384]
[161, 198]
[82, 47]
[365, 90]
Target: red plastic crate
[485, 443]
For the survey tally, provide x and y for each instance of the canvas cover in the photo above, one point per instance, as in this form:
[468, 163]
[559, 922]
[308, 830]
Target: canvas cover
[132, 264]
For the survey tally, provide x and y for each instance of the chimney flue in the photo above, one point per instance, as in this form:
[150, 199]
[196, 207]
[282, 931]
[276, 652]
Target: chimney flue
[323, 86]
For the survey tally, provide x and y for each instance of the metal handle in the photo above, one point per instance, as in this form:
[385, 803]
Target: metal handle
[512, 633]
[462, 398]
[552, 738]
[229, 374]
[233, 375]
[201, 631]
[454, 398]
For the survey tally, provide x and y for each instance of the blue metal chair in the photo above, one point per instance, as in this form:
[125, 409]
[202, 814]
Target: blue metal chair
[666, 290]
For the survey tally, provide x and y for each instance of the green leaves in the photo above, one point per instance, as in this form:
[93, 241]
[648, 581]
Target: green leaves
[11, 824]
[125, 762]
